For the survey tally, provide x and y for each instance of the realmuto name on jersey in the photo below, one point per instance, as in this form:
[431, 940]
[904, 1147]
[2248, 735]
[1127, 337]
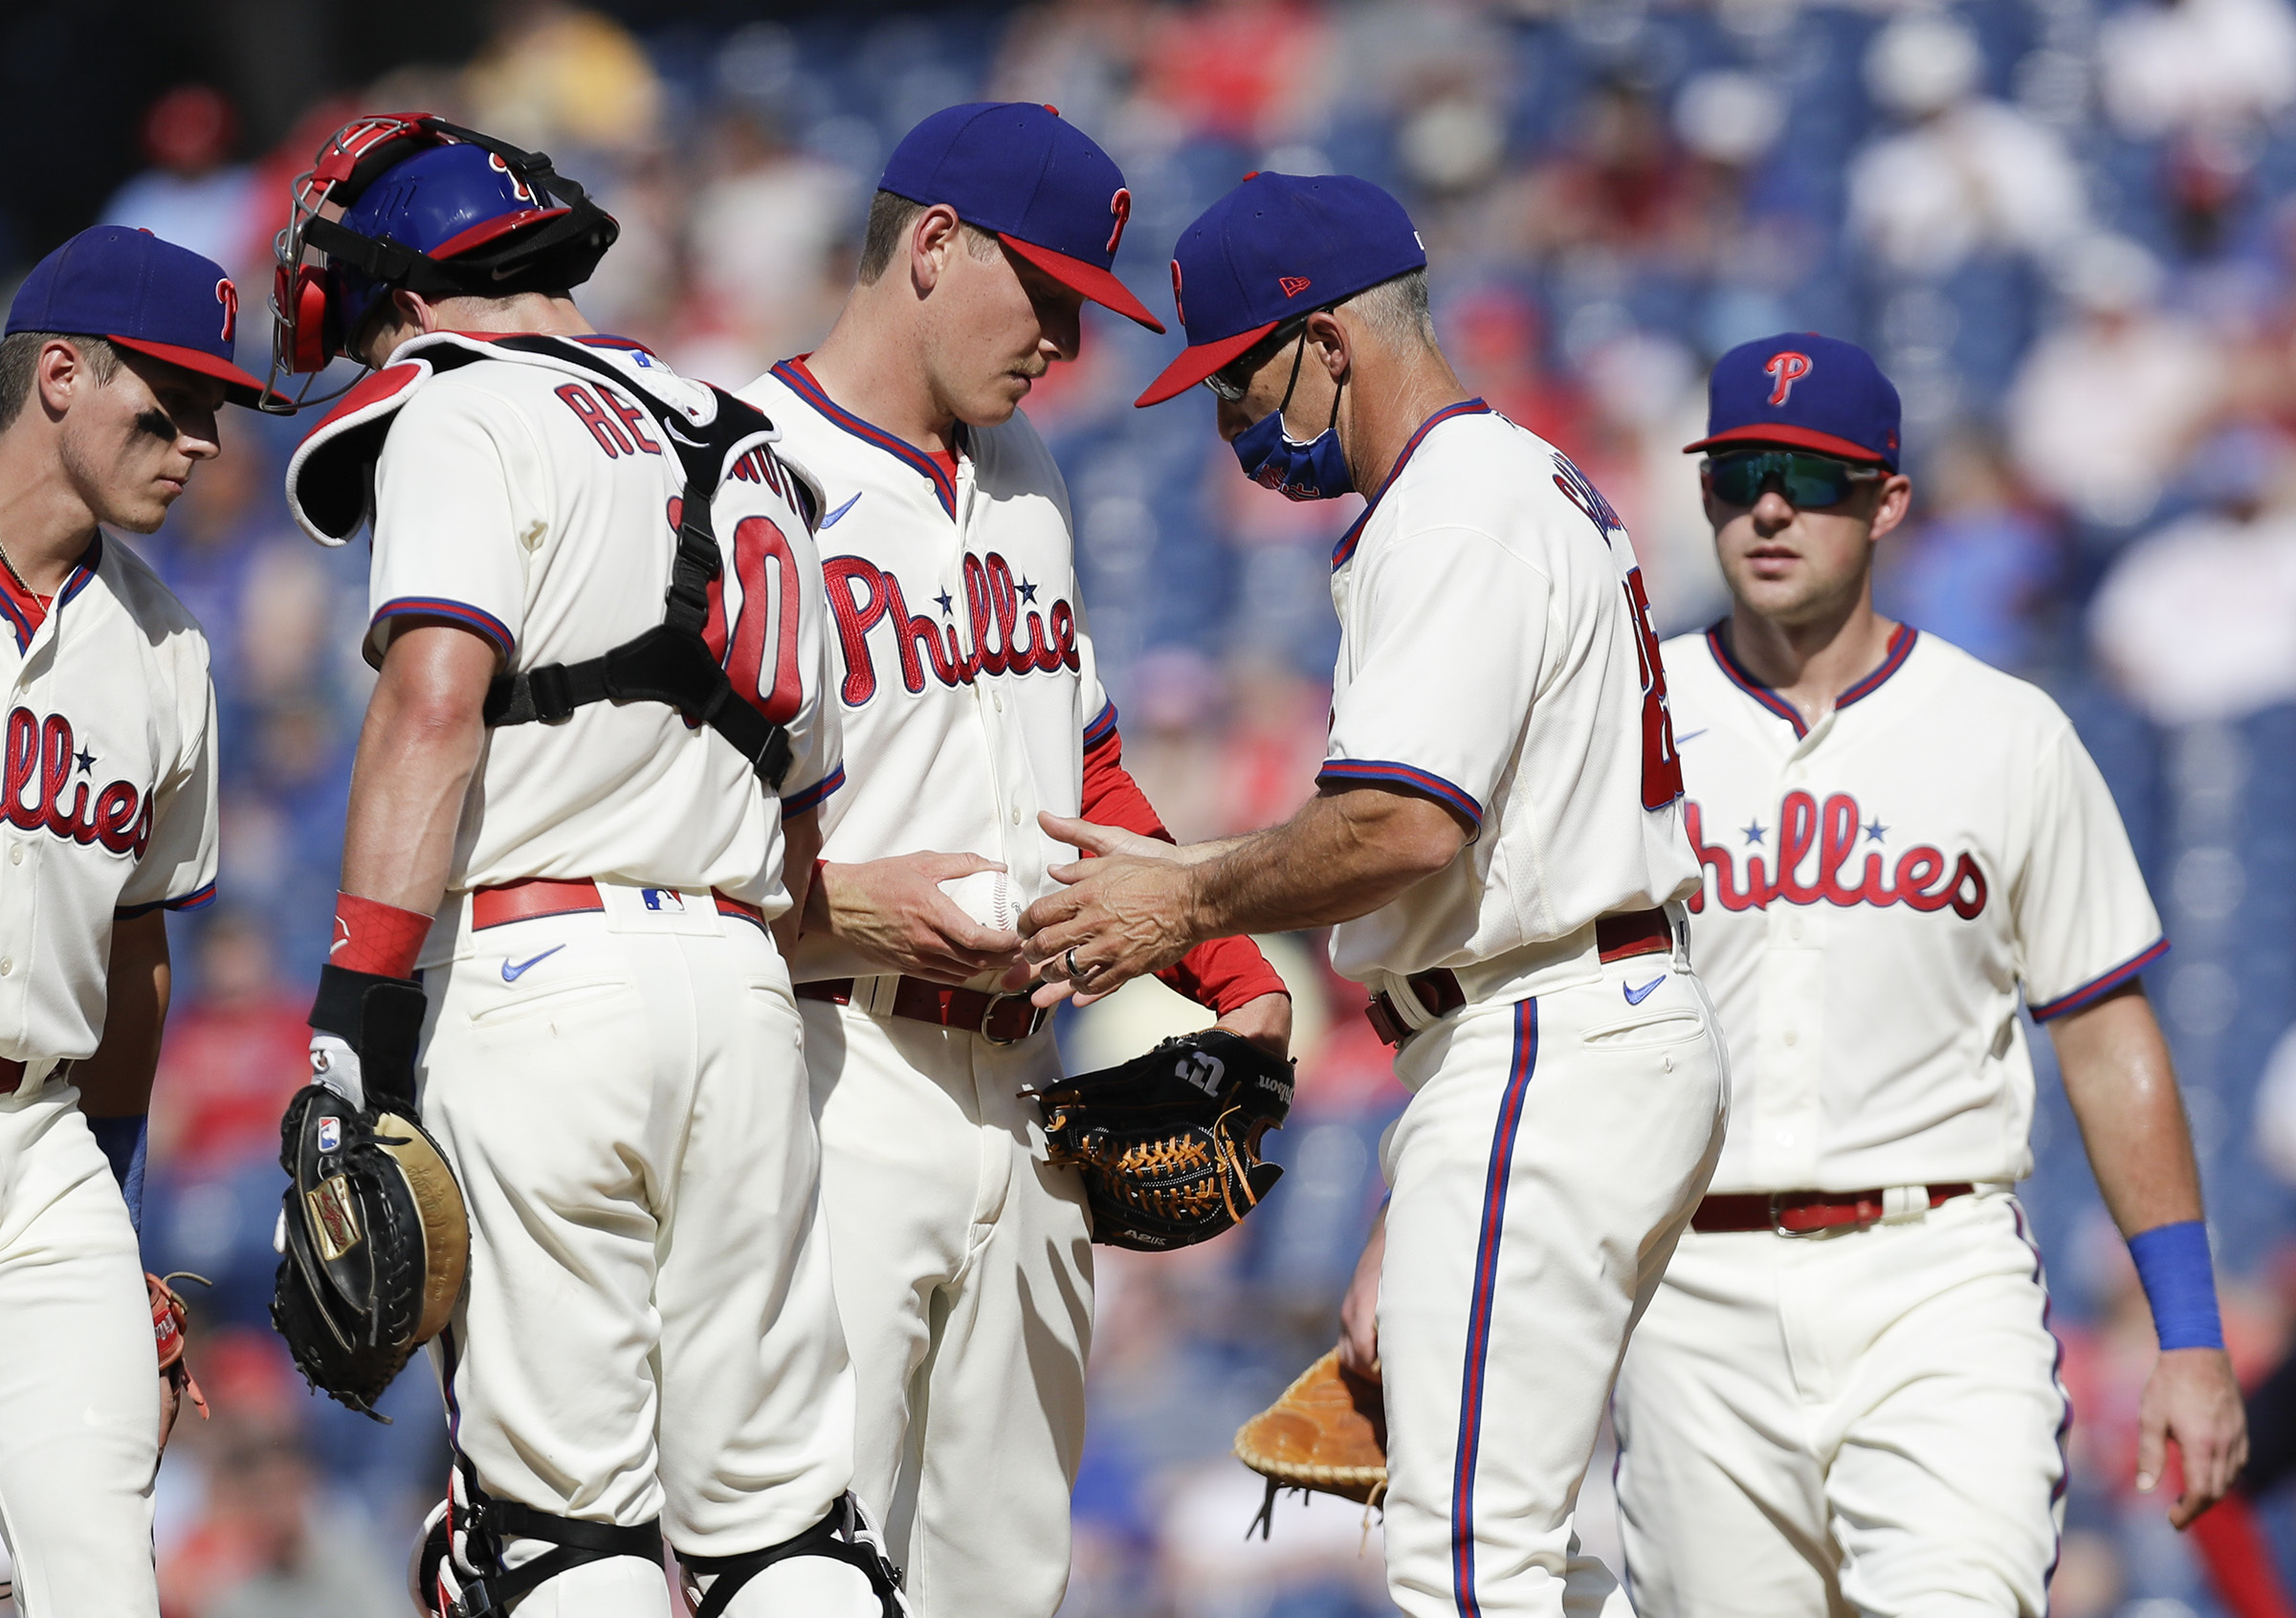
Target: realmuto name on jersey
[1817, 860]
[42, 757]
[1011, 632]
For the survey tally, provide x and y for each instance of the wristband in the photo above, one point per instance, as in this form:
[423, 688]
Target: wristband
[2181, 1283]
[378, 938]
[124, 1140]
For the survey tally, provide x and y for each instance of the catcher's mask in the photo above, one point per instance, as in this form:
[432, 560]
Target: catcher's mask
[409, 200]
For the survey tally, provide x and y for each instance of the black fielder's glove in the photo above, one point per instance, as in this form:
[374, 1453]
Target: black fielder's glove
[1168, 1143]
[374, 1236]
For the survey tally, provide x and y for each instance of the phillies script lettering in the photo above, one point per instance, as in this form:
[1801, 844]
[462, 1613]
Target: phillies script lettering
[1919, 883]
[42, 756]
[1006, 638]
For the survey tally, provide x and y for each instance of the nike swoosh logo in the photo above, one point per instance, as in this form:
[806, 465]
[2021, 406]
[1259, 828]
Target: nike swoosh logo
[1634, 996]
[1692, 734]
[512, 974]
[830, 521]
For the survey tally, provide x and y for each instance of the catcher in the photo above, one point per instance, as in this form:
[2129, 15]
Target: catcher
[115, 364]
[597, 741]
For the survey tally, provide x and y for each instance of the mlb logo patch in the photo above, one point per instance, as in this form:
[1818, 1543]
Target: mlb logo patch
[330, 1134]
[663, 899]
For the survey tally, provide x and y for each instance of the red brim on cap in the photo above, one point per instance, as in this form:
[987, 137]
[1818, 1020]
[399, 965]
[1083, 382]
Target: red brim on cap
[240, 389]
[1796, 438]
[1196, 361]
[1095, 283]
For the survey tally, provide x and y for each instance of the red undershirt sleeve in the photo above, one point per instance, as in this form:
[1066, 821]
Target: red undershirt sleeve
[1221, 974]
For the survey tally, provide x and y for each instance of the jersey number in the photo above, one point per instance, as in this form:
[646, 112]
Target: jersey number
[770, 603]
[1662, 766]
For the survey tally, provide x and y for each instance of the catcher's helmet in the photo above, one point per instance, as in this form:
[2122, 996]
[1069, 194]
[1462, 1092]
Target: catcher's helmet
[428, 205]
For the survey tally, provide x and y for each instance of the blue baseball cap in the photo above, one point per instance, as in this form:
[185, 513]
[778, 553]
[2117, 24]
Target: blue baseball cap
[1803, 392]
[1278, 245]
[129, 287]
[1036, 183]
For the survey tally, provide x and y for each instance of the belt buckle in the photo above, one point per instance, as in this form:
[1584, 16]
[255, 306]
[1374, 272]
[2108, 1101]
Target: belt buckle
[1036, 1015]
[1777, 1225]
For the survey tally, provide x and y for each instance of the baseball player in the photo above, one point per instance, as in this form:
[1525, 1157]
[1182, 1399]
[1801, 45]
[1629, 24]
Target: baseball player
[970, 706]
[1844, 1399]
[1503, 868]
[647, 1346]
[116, 362]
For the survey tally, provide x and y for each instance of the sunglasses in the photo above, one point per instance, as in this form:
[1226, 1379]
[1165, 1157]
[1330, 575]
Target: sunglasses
[1230, 380]
[1805, 480]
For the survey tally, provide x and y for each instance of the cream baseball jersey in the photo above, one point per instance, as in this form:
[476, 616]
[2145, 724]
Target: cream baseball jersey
[533, 503]
[967, 686]
[1878, 889]
[110, 788]
[1495, 654]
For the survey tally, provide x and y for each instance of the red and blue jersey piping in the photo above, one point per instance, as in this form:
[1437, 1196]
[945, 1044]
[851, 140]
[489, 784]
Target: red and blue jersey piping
[456, 611]
[813, 796]
[2100, 985]
[1346, 548]
[1387, 772]
[794, 376]
[1901, 640]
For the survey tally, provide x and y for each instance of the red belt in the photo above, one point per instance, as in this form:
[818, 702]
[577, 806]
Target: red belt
[539, 896]
[1802, 1214]
[12, 1074]
[1630, 932]
[1001, 1019]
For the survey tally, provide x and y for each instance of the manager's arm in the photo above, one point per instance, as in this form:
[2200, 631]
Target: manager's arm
[1137, 908]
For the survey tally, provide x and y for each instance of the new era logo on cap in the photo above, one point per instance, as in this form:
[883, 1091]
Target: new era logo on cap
[1802, 391]
[1039, 185]
[1253, 258]
[135, 290]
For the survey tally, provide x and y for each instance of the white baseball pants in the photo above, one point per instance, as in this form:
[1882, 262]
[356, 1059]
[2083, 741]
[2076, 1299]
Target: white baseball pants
[1865, 1423]
[79, 1386]
[649, 1328]
[964, 1279]
[1552, 1152]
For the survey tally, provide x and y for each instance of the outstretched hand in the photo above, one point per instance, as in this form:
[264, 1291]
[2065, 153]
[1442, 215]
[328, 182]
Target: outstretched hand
[1122, 915]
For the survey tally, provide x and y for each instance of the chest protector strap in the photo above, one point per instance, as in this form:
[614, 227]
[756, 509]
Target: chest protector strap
[672, 662]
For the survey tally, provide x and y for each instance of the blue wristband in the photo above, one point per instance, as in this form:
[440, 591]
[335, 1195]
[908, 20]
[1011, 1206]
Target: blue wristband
[2181, 1283]
[124, 1140]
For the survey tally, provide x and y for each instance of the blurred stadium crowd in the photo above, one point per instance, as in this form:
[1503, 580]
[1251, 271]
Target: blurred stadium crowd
[2067, 228]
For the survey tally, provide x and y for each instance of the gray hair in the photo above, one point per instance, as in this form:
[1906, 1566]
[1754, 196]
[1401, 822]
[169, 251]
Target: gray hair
[1397, 309]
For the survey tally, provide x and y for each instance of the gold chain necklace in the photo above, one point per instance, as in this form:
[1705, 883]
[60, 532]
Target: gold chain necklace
[23, 584]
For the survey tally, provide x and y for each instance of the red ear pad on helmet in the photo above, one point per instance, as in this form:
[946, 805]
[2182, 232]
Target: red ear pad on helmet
[305, 300]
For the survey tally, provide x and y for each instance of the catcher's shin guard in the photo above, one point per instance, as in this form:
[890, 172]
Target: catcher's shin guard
[845, 1535]
[445, 1577]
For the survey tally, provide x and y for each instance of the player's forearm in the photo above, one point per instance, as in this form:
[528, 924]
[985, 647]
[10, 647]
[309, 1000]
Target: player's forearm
[1342, 855]
[2123, 1090]
[424, 735]
[116, 1081]
[800, 846]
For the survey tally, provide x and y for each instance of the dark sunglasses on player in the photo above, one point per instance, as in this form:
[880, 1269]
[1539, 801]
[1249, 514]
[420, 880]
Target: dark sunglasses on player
[1805, 480]
[1230, 380]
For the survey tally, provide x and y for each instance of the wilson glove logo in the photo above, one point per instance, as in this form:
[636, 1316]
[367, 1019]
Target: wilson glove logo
[1204, 1070]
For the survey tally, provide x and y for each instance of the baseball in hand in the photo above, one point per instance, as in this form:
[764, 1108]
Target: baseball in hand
[987, 897]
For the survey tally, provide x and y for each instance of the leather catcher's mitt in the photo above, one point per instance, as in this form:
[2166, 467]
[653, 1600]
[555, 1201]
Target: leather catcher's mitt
[1169, 1143]
[376, 1239]
[1328, 1433]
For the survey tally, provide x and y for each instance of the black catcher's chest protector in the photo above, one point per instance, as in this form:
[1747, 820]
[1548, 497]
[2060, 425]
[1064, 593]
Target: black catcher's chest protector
[329, 484]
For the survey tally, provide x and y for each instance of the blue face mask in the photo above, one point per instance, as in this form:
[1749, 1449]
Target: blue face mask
[1273, 459]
